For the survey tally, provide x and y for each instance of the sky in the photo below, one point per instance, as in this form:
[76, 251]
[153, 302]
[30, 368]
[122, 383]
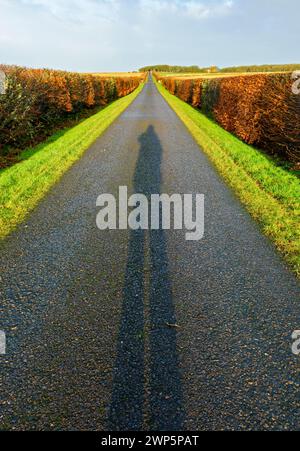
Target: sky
[124, 35]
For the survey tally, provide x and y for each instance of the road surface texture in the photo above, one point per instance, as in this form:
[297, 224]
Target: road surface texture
[86, 312]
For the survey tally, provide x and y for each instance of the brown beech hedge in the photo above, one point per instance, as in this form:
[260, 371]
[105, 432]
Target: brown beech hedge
[38, 100]
[260, 109]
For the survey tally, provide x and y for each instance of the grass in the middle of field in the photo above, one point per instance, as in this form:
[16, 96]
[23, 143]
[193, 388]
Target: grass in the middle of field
[270, 193]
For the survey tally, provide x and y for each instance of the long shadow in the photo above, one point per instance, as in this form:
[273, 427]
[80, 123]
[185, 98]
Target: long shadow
[131, 393]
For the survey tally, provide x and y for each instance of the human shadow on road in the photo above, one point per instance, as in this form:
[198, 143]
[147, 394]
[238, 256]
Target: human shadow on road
[147, 383]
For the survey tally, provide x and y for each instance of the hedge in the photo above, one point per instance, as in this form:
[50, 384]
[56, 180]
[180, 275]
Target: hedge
[36, 100]
[260, 109]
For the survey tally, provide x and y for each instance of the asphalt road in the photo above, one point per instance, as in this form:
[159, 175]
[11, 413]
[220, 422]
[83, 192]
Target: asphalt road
[86, 312]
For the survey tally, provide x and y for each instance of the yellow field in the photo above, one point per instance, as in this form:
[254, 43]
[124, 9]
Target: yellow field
[117, 74]
[214, 75]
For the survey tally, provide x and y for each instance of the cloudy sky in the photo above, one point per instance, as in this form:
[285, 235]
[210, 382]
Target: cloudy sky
[121, 35]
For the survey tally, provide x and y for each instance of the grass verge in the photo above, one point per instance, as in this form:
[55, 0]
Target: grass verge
[270, 193]
[23, 185]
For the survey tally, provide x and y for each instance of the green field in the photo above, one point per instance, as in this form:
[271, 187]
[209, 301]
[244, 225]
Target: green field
[270, 193]
[26, 183]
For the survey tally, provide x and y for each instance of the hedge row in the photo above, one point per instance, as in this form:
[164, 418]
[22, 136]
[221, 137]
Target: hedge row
[37, 100]
[261, 109]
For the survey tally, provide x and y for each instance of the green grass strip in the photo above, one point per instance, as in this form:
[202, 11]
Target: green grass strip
[23, 185]
[270, 193]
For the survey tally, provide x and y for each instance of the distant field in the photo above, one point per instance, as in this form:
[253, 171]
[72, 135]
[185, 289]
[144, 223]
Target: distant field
[214, 75]
[117, 74]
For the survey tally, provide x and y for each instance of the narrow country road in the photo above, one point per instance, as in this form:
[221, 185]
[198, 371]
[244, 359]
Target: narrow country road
[86, 312]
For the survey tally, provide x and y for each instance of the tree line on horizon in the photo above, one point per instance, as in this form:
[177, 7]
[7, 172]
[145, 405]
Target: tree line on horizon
[177, 69]
[215, 69]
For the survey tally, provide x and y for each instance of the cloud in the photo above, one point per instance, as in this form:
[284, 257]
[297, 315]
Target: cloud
[198, 10]
[77, 10]
[188, 8]
[114, 35]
